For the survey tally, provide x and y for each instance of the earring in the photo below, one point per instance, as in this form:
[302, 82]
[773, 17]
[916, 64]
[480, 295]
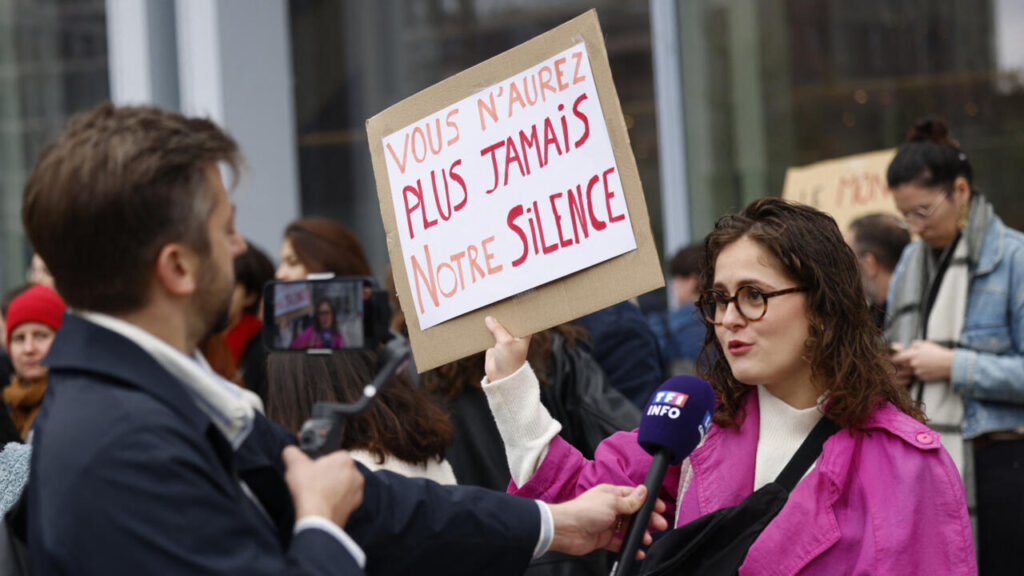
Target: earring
[961, 222]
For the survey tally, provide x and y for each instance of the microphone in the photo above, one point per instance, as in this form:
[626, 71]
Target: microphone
[674, 422]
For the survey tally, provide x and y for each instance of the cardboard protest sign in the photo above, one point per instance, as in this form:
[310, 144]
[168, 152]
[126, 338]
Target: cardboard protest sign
[846, 188]
[510, 189]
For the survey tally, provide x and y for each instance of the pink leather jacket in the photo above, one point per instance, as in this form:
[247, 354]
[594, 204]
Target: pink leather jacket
[889, 501]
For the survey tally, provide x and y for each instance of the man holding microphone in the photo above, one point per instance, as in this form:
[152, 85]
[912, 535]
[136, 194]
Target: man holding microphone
[145, 461]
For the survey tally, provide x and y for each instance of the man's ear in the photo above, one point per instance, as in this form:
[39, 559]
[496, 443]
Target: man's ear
[176, 269]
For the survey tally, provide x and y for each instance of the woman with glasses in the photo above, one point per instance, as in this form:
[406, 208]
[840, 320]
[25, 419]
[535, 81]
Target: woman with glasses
[956, 304]
[789, 339]
[323, 331]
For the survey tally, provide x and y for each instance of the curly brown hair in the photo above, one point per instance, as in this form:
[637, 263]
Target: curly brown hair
[846, 351]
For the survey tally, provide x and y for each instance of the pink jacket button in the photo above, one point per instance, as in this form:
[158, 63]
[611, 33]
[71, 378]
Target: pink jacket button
[924, 438]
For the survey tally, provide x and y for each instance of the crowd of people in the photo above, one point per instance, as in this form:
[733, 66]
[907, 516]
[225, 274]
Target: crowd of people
[147, 426]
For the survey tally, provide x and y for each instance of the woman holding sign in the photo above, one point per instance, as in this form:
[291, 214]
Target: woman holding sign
[957, 306]
[789, 340]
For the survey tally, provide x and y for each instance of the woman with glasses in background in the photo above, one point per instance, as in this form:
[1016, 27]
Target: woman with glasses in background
[323, 331]
[789, 339]
[956, 304]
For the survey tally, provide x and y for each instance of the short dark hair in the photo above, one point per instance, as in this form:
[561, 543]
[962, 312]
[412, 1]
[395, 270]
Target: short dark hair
[325, 245]
[882, 235]
[929, 157]
[253, 269]
[117, 185]
[686, 262]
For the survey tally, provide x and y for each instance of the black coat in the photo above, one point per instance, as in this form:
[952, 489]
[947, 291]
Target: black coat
[130, 477]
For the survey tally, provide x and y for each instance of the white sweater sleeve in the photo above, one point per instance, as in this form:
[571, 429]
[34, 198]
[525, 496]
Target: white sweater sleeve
[525, 425]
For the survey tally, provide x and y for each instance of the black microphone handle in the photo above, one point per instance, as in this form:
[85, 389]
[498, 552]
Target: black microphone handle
[635, 533]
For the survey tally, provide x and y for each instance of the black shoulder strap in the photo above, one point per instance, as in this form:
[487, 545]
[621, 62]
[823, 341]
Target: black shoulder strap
[806, 454]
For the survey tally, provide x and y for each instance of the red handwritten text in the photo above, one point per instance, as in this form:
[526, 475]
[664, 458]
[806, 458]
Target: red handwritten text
[583, 213]
[448, 277]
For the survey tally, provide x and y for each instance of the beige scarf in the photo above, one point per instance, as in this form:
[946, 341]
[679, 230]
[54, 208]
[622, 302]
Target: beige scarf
[945, 408]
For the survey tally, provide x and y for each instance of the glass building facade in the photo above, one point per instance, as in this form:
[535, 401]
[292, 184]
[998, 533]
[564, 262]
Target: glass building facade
[720, 96]
[779, 83]
[352, 60]
[53, 62]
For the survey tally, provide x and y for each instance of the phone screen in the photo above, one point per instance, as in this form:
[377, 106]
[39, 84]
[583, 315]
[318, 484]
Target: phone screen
[316, 314]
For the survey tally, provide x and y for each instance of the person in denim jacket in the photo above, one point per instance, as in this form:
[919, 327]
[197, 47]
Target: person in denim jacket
[957, 322]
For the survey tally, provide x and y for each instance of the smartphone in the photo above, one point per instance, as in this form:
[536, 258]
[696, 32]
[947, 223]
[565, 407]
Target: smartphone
[324, 313]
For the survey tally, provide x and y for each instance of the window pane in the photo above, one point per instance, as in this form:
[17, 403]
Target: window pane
[53, 63]
[353, 59]
[779, 83]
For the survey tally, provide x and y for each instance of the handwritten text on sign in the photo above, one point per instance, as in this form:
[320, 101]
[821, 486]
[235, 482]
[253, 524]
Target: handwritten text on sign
[846, 187]
[508, 189]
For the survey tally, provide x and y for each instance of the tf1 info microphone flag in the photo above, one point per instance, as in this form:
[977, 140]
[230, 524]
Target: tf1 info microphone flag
[676, 419]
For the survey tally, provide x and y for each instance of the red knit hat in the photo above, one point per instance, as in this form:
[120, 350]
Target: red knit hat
[37, 304]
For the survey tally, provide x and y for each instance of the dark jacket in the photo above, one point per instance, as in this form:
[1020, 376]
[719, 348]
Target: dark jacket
[130, 477]
[626, 349]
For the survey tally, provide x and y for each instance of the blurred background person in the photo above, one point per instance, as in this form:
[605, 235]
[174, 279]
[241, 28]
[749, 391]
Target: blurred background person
[316, 244]
[253, 269]
[401, 431]
[680, 330]
[216, 353]
[878, 241]
[573, 387]
[8, 431]
[956, 306]
[39, 273]
[32, 321]
[623, 345]
[6, 370]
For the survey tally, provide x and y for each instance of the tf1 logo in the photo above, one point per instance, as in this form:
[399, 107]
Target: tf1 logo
[667, 403]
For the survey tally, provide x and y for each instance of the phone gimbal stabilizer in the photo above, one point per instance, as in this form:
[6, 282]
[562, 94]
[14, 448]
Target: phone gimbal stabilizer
[322, 433]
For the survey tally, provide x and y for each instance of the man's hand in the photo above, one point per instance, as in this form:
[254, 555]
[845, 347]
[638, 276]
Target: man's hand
[925, 361]
[599, 518]
[331, 486]
[508, 353]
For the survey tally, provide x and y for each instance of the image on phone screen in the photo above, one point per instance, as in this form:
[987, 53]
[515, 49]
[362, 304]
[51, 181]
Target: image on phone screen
[320, 315]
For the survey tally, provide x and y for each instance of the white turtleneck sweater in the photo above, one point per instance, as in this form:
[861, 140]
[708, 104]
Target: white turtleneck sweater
[782, 430]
